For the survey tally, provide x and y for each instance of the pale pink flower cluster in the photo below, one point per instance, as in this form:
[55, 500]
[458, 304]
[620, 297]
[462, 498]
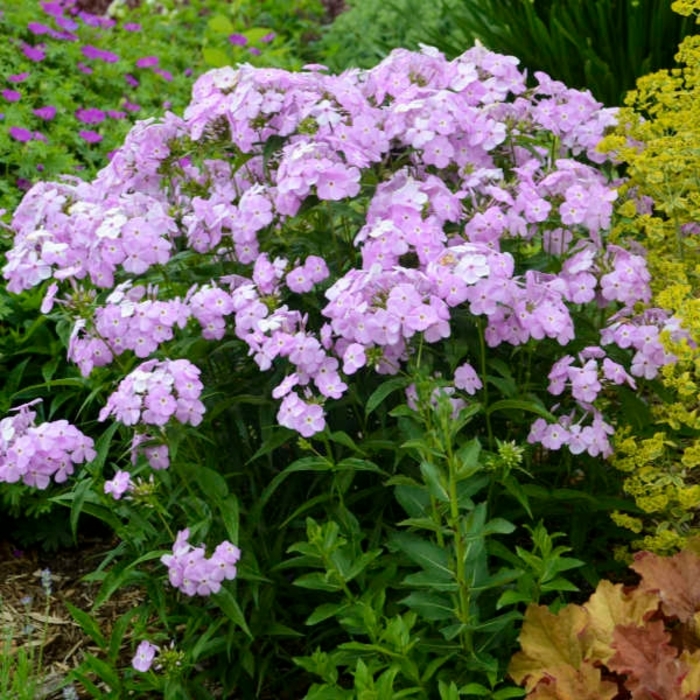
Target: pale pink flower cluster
[36, 454]
[193, 573]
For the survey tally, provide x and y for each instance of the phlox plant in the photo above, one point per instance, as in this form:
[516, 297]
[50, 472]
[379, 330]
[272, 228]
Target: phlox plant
[351, 334]
[73, 84]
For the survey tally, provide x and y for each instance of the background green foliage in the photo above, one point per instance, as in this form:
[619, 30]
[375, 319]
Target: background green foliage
[366, 32]
[602, 45]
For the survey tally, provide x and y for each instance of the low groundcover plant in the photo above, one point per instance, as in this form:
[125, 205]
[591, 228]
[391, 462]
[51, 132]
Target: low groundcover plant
[427, 229]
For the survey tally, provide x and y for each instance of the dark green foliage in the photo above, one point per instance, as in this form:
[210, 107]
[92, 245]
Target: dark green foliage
[602, 45]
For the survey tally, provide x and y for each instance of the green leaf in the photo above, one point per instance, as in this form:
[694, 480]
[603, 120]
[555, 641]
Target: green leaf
[216, 58]
[360, 465]
[254, 34]
[515, 489]
[426, 579]
[87, 624]
[342, 438]
[448, 692]
[229, 606]
[468, 459]
[422, 524]
[80, 493]
[558, 584]
[519, 405]
[512, 598]
[229, 512]
[382, 392]
[432, 475]
[430, 606]
[212, 485]
[317, 581]
[507, 693]
[361, 563]
[424, 553]
[315, 464]
[106, 673]
[413, 499]
[118, 632]
[326, 611]
[102, 446]
[497, 526]
[221, 25]
[474, 689]
[119, 575]
[48, 369]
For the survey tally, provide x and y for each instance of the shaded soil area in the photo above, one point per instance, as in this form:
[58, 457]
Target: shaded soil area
[30, 622]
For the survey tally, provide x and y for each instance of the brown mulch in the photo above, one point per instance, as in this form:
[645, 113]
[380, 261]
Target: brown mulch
[23, 617]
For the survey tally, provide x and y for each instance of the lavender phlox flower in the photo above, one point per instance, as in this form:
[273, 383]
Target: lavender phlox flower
[155, 392]
[193, 573]
[119, 485]
[145, 654]
[36, 454]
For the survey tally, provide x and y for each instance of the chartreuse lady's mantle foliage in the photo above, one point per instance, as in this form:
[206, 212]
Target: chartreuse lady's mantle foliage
[354, 330]
[657, 138]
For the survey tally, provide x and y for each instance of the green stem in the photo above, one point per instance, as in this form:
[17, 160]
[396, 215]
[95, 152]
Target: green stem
[460, 547]
[485, 383]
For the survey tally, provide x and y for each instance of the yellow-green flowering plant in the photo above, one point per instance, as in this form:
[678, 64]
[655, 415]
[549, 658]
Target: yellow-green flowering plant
[657, 139]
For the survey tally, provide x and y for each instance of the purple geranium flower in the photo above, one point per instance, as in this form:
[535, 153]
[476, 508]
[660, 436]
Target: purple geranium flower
[12, 95]
[100, 54]
[34, 53]
[48, 112]
[238, 39]
[18, 133]
[132, 27]
[52, 8]
[67, 23]
[38, 28]
[147, 62]
[19, 77]
[91, 115]
[90, 136]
